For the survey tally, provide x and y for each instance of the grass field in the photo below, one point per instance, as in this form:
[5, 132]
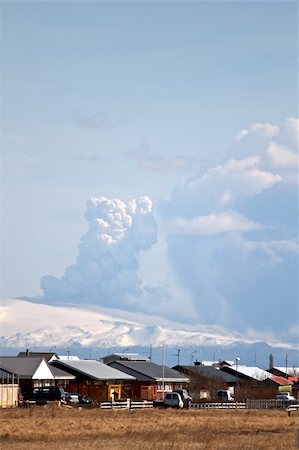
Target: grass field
[61, 428]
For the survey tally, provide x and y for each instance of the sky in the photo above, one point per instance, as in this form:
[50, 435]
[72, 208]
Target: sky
[150, 159]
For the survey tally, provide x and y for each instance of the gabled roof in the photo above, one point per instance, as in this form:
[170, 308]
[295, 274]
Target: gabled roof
[253, 372]
[124, 357]
[293, 371]
[47, 355]
[27, 368]
[281, 381]
[91, 368]
[6, 374]
[209, 372]
[59, 374]
[149, 371]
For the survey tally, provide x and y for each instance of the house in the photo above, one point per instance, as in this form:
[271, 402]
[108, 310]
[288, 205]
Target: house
[292, 375]
[48, 356]
[205, 380]
[33, 371]
[152, 380]
[94, 378]
[254, 382]
[249, 373]
[208, 372]
[278, 383]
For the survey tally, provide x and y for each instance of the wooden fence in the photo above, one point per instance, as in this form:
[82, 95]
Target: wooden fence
[126, 404]
[9, 395]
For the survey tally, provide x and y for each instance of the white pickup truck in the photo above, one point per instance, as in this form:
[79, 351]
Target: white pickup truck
[173, 400]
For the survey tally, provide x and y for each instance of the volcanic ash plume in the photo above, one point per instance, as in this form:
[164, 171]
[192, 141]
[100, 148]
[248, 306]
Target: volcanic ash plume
[106, 269]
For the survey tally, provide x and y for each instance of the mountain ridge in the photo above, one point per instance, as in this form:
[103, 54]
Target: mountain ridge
[86, 330]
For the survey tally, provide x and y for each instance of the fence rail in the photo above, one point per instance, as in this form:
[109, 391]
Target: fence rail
[127, 404]
[248, 404]
[219, 405]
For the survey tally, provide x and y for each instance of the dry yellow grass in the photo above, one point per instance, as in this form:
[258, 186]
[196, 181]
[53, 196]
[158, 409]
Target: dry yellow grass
[59, 429]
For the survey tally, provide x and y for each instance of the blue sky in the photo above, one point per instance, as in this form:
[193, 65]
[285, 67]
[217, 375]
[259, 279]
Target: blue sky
[190, 104]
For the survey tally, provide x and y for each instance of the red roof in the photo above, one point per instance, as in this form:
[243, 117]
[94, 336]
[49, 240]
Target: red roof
[281, 380]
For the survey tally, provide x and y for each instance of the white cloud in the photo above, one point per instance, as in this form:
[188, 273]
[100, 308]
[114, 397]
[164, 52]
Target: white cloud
[242, 134]
[276, 146]
[264, 130]
[106, 270]
[109, 219]
[242, 177]
[228, 275]
[215, 223]
[281, 157]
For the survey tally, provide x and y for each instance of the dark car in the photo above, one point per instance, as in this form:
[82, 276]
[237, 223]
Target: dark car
[74, 398]
[44, 394]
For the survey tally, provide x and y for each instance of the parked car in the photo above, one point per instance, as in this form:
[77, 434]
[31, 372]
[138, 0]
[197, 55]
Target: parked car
[224, 395]
[173, 400]
[72, 398]
[44, 394]
[184, 396]
[20, 398]
[285, 396]
[75, 398]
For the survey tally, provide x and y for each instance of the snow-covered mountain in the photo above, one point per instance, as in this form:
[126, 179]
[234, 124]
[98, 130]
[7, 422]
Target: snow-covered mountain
[36, 326]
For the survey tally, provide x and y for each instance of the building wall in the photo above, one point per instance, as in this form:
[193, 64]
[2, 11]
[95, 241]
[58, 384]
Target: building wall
[99, 392]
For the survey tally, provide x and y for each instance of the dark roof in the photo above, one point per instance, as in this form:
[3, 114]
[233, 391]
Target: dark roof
[46, 355]
[123, 357]
[61, 374]
[283, 371]
[248, 372]
[6, 374]
[24, 367]
[149, 371]
[92, 369]
[209, 372]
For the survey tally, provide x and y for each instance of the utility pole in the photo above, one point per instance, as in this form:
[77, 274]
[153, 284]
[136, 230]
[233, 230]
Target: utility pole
[163, 371]
[178, 356]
